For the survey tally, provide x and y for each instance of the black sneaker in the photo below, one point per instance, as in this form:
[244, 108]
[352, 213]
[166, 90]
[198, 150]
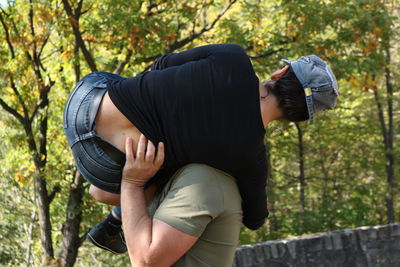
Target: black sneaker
[102, 239]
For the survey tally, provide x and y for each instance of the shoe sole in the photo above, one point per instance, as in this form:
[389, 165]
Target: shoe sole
[91, 239]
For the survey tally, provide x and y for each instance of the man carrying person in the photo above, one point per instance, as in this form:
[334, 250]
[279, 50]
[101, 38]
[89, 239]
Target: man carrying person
[207, 106]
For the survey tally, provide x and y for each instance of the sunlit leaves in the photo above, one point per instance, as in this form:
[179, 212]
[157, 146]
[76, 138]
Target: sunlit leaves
[344, 157]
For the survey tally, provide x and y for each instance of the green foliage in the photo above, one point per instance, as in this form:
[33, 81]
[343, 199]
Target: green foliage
[345, 164]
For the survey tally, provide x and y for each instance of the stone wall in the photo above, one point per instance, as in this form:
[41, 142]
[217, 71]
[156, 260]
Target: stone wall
[360, 247]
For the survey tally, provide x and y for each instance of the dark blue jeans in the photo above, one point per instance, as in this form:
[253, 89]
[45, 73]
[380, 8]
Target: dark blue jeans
[93, 162]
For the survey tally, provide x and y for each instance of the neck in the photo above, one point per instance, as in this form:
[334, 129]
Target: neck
[269, 107]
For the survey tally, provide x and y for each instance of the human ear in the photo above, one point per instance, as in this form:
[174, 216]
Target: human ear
[277, 74]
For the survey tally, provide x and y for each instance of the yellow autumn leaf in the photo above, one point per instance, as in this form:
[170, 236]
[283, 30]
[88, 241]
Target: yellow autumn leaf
[9, 90]
[354, 82]
[20, 178]
[330, 53]
[31, 167]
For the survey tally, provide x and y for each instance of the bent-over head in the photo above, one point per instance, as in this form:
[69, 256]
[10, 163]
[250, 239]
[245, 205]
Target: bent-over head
[304, 88]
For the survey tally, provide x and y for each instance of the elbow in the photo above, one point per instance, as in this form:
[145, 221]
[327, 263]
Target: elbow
[143, 258]
[148, 259]
[144, 262]
[255, 223]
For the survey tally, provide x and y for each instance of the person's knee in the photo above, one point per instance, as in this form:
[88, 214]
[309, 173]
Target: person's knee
[104, 196]
[96, 193]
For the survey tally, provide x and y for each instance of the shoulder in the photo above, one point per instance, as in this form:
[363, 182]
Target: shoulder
[191, 199]
[198, 179]
[207, 185]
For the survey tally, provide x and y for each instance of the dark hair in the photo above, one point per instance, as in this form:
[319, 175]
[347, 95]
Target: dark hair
[290, 95]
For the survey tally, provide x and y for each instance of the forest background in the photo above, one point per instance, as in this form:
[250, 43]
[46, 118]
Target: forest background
[341, 172]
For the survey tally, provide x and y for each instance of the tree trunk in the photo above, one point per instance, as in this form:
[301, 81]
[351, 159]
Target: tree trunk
[42, 203]
[273, 221]
[302, 181]
[70, 229]
[29, 233]
[389, 148]
[387, 134]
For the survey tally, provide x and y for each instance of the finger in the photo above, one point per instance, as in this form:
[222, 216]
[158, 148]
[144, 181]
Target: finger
[141, 147]
[160, 155]
[128, 149]
[151, 150]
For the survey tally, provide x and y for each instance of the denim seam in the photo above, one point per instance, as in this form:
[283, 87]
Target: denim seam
[96, 163]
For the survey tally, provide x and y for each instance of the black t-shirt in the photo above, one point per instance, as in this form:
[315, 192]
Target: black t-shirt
[203, 104]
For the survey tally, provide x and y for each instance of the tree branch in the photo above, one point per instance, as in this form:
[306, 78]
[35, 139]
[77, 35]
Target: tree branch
[34, 58]
[11, 111]
[151, 6]
[44, 100]
[31, 22]
[78, 9]
[74, 20]
[389, 88]
[86, 10]
[123, 63]
[4, 12]
[44, 44]
[8, 39]
[43, 92]
[77, 63]
[181, 43]
[56, 189]
[35, 110]
[381, 118]
[198, 13]
[220, 15]
[16, 92]
[43, 139]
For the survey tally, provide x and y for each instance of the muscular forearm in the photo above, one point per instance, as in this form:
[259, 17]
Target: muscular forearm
[137, 224]
[150, 242]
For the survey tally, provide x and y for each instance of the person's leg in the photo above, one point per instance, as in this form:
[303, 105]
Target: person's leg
[104, 196]
[108, 234]
[117, 213]
[91, 157]
[114, 199]
[99, 162]
[91, 154]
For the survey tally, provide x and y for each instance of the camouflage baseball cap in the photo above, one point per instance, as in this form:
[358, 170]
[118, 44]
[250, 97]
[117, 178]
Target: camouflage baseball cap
[319, 83]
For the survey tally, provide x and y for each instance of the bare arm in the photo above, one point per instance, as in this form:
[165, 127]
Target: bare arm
[150, 242]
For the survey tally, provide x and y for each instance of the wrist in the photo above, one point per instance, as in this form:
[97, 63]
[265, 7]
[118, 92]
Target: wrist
[129, 184]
